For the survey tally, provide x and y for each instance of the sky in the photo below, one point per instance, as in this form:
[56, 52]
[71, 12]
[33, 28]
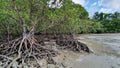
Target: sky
[106, 6]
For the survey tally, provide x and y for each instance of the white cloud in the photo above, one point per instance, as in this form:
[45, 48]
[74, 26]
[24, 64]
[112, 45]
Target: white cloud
[111, 5]
[100, 2]
[82, 2]
[57, 4]
[106, 10]
[94, 4]
[92, 10]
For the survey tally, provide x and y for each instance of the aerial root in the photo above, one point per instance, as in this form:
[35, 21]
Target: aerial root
[66, 42]
[25, 47]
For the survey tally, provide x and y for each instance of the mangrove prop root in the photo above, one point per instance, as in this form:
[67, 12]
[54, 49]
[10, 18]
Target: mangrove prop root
[66, 42]
[27, 48]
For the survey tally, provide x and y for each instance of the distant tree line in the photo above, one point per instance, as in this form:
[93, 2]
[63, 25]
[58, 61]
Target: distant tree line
[110, 21]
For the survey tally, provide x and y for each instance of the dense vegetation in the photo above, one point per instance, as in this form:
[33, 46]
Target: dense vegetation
[65, 18]
[110, 21]
[68, 18]
[58, 20]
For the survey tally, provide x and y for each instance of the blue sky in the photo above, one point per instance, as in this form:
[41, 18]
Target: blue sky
[106, 6]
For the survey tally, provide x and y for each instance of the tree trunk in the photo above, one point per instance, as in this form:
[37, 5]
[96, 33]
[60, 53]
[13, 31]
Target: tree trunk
[24, 29]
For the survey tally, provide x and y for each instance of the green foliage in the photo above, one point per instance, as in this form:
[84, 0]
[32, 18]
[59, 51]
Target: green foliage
[13, 13]
[69, 18]
[90, 26]
[109, 21]
[65, 19]
[9, 26]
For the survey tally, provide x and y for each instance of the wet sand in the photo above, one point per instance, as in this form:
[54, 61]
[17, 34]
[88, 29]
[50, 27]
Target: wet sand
[106, 48]
[106, 53]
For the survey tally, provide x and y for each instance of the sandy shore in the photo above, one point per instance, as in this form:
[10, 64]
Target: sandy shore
[106, 48]
[106, 53]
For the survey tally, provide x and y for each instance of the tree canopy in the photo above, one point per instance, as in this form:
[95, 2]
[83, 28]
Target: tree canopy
[24, 18]
[110, 21]
[42, 15]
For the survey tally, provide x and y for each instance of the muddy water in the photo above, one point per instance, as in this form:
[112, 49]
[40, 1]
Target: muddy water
[106, 48]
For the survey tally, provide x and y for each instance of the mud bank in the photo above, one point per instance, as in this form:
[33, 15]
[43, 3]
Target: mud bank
[106, 54]
[106, 48]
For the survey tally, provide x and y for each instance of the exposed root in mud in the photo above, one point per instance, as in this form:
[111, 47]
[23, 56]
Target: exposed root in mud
[68, 42]
[27, 48]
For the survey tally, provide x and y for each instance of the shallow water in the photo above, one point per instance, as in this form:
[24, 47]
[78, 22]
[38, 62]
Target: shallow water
[106, 53]
[96, 61]
[111, 40]
[106, 48]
